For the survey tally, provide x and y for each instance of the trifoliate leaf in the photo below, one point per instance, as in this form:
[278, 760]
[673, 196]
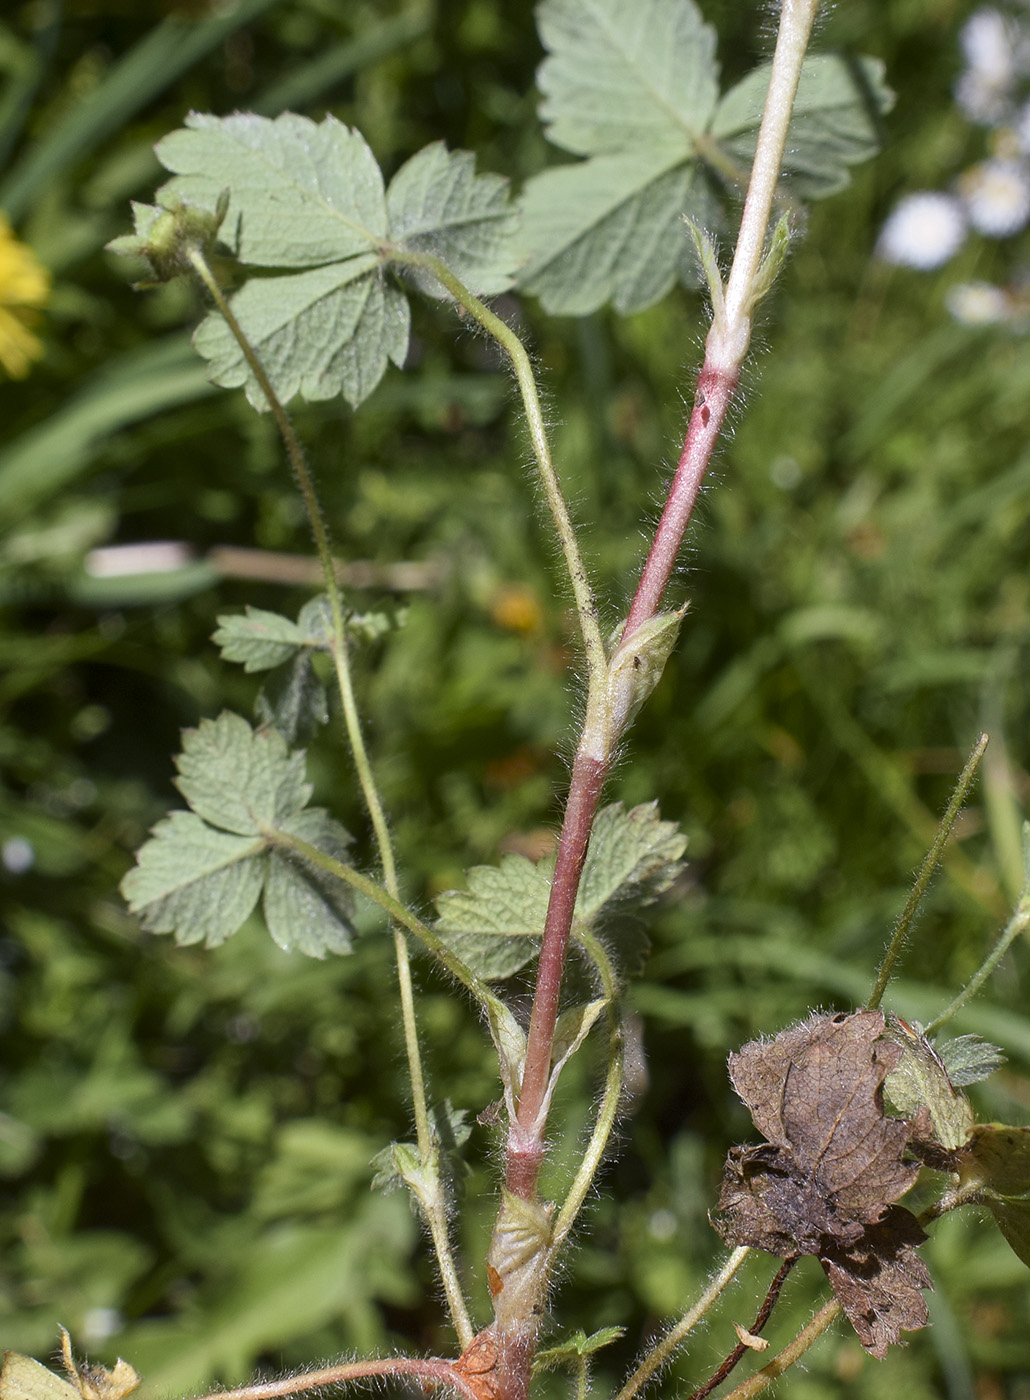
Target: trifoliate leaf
[633, 86]
[494, 925]
[437, 204]
[834, 124]
[196, 882]
[320, 333]
[202, 872]
[238, 778]
[310, 197]
[968, 1059]
[306, 908]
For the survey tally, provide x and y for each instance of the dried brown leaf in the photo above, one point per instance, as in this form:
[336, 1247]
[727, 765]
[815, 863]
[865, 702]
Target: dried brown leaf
[826, 1181]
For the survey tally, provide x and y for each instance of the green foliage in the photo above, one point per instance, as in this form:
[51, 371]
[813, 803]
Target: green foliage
[203, 871]
[634, 88]
[494, 925]
[859, 597]
[312, 198]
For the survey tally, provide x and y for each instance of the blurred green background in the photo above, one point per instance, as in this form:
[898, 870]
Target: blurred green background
[185, 1135]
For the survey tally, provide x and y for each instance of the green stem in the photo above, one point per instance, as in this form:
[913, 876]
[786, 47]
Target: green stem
[586, 609]
[609, 1108]
[1020, 920]
[926, 871]
[664, 1348]
[434, 1205]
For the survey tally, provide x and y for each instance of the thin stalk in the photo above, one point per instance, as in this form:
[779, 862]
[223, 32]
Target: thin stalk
[428, 1371]
[926, 872]
[586, 608]
[662, 1350]
[609, 1108]
[761, 1318]
[1020, 920]
[435, 1209]
[790, 1354]
[396, 910]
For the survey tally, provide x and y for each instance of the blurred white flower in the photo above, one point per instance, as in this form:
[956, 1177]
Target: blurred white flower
[997, 196]
[17, 855]
[989, 43]
[924, 231]
[977, 303]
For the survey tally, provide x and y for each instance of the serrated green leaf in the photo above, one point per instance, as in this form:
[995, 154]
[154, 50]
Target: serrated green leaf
[305, 908]
[437, 204]
[835, 123]
[493, 925]
[624, 75]
[611, 229]
[633, 856]
[257, 639]
[319, 333]
[969, 1058]
[301, 194]
[394, 1166]
[293, 700]
[576, 1346]
[195, 882]
[632, 86]
[1013, 1220]
[920, 1080]
[238, 778]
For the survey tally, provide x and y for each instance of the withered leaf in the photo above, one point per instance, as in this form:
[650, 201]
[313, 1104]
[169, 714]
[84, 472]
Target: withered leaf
[826, 1181]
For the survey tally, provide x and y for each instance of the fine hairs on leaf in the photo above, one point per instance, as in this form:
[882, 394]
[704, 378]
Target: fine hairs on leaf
[310, 259]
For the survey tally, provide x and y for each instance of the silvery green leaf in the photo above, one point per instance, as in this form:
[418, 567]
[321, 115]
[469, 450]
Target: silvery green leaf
[195, 882]
[611, 229]
[968, 1059]
[835, 123]
[626, 74]
[633, 857]
[320, 333]
[305, 907]
[238, 778]
[494, 924]
[437, 204]
[301, 194]
[257, 639]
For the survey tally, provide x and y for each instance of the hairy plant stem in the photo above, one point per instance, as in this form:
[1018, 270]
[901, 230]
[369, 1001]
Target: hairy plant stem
[1016, 925]
[427, 1371]
[656, 1358]
[432, 1199]
[761, 1318]
[926, 871]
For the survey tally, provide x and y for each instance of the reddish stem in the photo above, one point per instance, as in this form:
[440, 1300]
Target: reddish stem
[715, 390]
[525, 1146]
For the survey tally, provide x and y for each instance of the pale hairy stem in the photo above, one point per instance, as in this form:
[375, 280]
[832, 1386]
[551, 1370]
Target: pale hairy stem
[665, 1346]
[433, 1205]
[1016, 925]
[926, 871]
[586, 608]
[428, 1372]
[790, 1354]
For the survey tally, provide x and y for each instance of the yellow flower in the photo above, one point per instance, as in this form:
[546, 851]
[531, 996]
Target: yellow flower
[24, 285]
